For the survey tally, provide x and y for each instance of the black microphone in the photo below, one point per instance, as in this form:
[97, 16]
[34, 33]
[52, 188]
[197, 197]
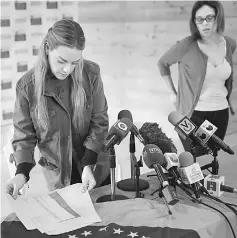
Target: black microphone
[153, 134]
[128, 114]
[117, 133]
[186, 129]
[134, 183]
[206, 132]
[153, 158]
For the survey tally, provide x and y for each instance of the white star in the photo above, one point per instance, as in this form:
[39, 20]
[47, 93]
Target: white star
[133, 234]
[117, 231]
[103, 229]
[145, 237]
[86, 233]
[74, 236]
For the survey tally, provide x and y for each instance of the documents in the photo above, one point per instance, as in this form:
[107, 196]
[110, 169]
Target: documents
[60, 211]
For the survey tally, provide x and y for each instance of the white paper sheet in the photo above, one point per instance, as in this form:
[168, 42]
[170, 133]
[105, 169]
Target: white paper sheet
[60, 211]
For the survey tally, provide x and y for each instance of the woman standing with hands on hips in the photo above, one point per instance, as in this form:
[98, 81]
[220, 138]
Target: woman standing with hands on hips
[205, 68]
[61, 107]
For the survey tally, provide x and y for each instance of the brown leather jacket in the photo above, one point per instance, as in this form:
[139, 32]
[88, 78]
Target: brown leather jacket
[55, 143]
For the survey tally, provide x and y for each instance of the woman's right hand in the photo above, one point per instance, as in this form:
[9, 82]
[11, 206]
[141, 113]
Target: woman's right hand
[14, 185]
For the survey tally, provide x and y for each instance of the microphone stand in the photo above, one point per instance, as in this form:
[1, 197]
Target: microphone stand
[133, 184]
[214, 164]
[161, 195]
[137, 168]
[113, 196]
[193, 151]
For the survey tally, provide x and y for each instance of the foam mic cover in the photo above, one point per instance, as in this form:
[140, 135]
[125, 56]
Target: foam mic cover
[152, 134]
[152, 155]
[128, 114]
[174, 117]
[190, 172]
[154, 158]
[125, 114]
[185, 159]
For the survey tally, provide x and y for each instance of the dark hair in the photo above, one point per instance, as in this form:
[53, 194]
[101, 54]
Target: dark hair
[220, 18]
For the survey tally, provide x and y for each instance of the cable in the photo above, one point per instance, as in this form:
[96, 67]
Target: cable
[234, 205]
[205, 193]
[211, 208]
[219, 200]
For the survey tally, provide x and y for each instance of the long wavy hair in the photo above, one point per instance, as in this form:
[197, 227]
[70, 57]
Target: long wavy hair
[63, 33]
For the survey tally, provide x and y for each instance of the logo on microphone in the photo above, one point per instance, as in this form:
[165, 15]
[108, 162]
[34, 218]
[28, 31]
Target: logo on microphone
[154, 150]
[205, 131]
[122, 126]
[186, 126]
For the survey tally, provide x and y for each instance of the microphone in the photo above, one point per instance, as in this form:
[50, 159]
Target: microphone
[190, 172]
[171, 164]
[206, 132]
[152, 134]
[134, 183]
[186, 129]
[134, 130]
[214, 184]
[117, 133]
[153, 158]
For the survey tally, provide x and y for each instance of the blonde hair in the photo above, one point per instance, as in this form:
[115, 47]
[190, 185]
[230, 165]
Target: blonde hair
[63, 33]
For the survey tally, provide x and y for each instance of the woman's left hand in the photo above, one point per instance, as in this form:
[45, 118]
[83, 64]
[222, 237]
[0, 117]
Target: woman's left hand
[88, 179]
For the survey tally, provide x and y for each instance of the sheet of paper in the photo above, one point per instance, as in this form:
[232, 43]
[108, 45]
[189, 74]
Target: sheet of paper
[60, 211]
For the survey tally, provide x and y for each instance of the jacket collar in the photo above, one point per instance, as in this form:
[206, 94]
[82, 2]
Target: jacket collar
[50, 85]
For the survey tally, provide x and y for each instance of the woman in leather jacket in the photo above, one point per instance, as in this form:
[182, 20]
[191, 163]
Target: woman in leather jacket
[61, 107]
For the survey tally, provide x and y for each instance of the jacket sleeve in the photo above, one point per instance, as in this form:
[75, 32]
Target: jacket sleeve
[24, 138]
[229, 81]
[172, 56]
[99, 122]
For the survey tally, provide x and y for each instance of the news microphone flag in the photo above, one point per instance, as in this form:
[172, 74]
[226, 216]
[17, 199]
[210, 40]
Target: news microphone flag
[191, 174]
[206, 131]
[213, 183]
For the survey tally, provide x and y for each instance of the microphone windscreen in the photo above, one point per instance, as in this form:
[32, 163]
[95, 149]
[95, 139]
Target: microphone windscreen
[174, 117]
[125, 114]
[185, 159]
[152, 155]
[152, 134]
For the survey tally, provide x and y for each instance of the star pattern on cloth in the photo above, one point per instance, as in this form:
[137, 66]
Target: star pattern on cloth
[145, 237]
[72, 236]
[86, 233]
[133, 234]
[103, 229]
[117, 231]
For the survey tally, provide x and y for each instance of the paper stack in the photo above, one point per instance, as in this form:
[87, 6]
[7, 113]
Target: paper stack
[60, 211]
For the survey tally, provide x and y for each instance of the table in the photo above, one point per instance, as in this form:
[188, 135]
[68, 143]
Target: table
[145, 217]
